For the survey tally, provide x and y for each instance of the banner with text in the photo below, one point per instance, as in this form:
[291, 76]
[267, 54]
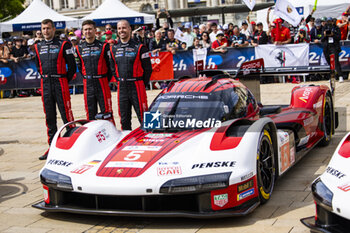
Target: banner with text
[162, 66]
[283, 55]
[167, 66]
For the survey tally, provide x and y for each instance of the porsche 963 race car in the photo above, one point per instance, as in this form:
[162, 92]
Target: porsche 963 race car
[331, 193]
[206, 149]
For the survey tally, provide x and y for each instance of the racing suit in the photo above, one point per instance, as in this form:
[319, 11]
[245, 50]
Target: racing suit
[331, 45]
[132, 69]
[52, 57]
[95, 67]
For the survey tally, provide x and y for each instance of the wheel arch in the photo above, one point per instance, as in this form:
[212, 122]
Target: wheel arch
[269, 125]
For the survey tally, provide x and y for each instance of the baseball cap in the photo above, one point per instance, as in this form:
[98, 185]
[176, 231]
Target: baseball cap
[277, 21]
[220, 33]
[345, 13]
[1, 41]
[253, 23]
[63, 36]
[225, 27]
[259, 23]
[244, 22]
[329, 19]
[71, 33]
[73, 38]
[109, 32]
[187, 25]
[17, 38]
[318, 22]
[31, 42]
[323, 19]
[195, 26]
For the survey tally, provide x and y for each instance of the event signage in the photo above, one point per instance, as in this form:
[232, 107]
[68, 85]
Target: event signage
[169, 66]
[131, 20]
[283, 56]
[36, 26]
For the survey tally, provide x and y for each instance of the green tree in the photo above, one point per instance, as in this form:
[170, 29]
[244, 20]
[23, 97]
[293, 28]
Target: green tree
[10, 8]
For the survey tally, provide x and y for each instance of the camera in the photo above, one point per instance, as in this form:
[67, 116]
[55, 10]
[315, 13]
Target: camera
[162, 10]
[328, 30]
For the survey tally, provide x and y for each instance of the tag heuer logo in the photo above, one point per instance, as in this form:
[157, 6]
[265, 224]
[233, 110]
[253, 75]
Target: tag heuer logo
[221, 200]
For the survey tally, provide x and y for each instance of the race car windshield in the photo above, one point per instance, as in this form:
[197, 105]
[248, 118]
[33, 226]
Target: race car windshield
[184, 110]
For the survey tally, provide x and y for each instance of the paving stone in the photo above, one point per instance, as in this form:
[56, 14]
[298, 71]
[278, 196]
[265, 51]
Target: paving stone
[26, 230]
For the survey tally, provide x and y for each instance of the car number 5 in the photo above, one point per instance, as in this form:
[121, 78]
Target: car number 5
[133, 155]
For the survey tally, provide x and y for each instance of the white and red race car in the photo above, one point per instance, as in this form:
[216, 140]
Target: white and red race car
[207, 150]
[331, 192]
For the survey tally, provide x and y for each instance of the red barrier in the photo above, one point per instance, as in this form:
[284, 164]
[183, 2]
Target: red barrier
[162, 65]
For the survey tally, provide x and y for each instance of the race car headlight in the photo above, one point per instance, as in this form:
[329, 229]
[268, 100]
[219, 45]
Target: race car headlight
[56, 180]
[322, 194]
[196, 183]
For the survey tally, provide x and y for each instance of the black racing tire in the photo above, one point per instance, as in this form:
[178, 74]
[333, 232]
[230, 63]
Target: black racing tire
[265, 167]
[328, 122]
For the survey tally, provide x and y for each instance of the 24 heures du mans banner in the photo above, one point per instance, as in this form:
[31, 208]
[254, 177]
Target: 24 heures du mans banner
[167, 66]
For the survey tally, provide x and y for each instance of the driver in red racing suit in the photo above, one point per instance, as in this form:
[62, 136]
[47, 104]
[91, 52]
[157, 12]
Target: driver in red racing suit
[132, 68]
[52, 56]
[95, 67]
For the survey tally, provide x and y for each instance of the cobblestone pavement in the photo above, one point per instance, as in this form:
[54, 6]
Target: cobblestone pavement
[23, 140]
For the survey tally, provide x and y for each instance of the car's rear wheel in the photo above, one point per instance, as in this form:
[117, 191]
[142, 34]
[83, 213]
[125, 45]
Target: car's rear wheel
[327, 124]
[265, 167]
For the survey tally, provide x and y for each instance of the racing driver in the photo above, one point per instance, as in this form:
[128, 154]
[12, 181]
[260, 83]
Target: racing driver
[56, 64]
[132, 69]
[95, 67]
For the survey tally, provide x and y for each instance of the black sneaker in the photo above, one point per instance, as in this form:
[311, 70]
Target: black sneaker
[44, 156]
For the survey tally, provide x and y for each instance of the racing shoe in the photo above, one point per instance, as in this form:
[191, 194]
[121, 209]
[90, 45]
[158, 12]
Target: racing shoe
[341, 79]
[44, 156]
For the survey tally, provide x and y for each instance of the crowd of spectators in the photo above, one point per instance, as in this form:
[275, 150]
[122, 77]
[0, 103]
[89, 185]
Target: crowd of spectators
[210, 35]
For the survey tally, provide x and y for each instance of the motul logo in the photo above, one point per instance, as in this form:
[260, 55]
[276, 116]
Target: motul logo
[168, 171]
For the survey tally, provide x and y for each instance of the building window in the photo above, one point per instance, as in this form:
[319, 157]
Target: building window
[146, 8]
[49, 3]
[79, 3]
[64, 4]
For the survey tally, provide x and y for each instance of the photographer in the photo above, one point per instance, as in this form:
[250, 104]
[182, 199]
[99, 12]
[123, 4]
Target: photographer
[140, 36]
[166, 25]
[331, 45]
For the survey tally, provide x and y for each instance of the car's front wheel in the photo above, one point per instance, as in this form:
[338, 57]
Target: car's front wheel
[265, 167]
[327, 124]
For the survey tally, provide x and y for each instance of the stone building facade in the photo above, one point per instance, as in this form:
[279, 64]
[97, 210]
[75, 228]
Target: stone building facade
[80, 8]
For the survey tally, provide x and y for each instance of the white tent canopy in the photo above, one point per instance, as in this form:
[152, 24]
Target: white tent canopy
[325, 8]
[112, 11]
[30, 19]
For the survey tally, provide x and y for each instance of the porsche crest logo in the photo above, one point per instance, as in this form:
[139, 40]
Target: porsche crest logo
[289, 9]
[119, 171]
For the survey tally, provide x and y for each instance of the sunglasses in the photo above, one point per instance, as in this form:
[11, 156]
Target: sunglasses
[108, 29]
[38, 33]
